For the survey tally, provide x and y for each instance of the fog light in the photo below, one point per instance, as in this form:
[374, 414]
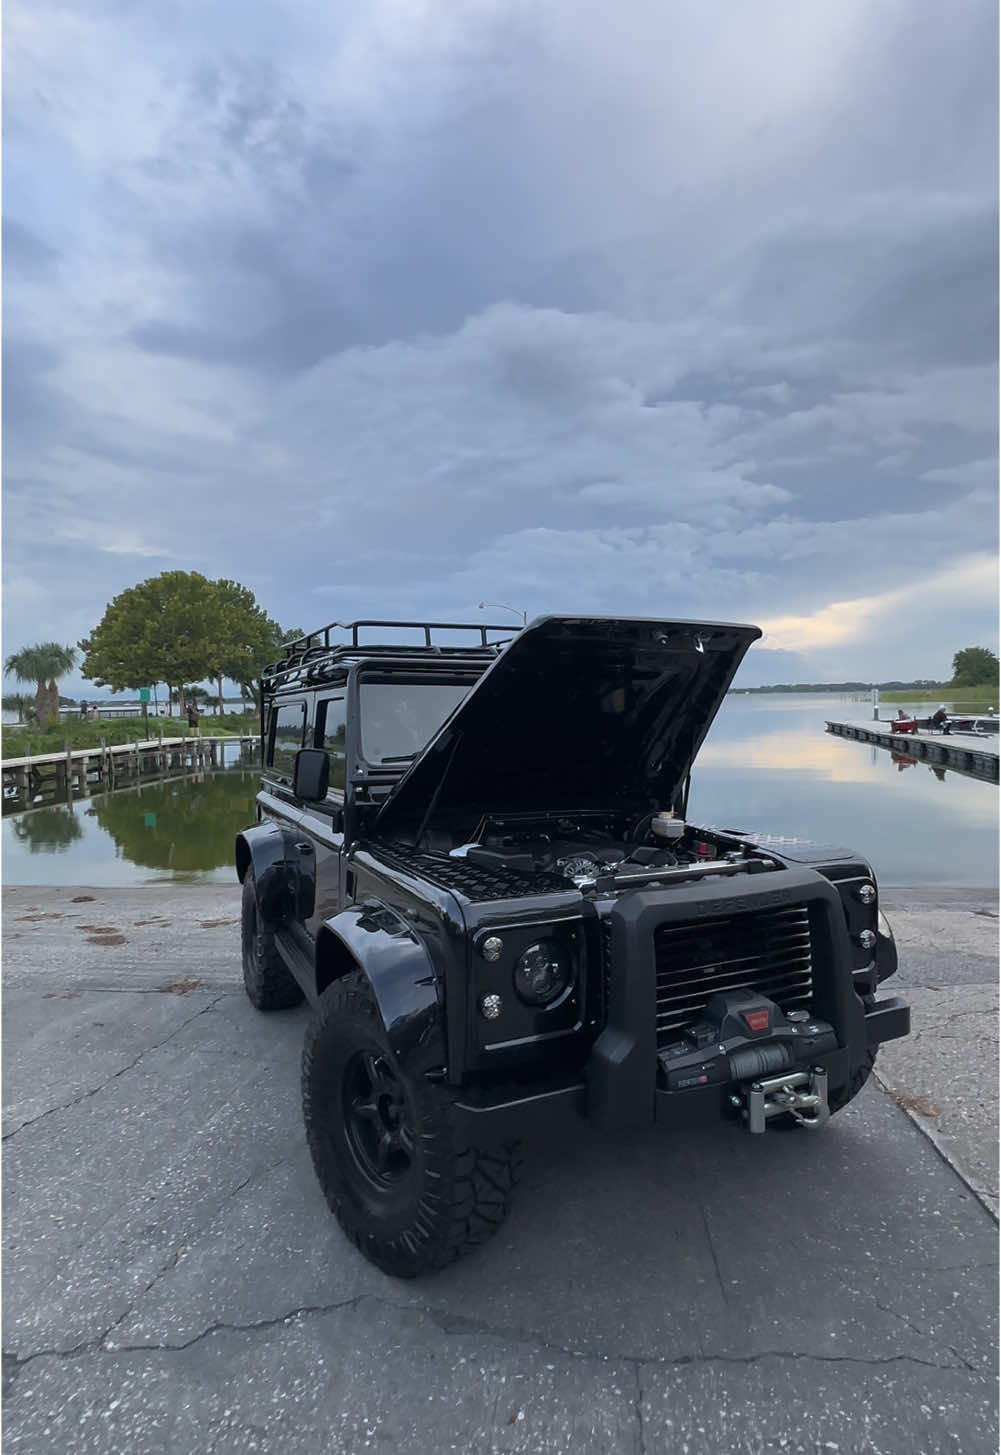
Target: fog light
[867, 939]
[867, 893]
[492, 947]
[491, 1007]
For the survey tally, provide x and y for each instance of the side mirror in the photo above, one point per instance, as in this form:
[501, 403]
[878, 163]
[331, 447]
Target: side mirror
[311, 774]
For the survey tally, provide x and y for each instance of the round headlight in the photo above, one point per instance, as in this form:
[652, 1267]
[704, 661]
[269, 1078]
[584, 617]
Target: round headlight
[542, 973]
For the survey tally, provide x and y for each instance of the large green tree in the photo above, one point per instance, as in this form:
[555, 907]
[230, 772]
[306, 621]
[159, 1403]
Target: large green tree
[180, 627]
[246, 637]
[974, 667]
[158, 631]
[247, 664]
[44, 663]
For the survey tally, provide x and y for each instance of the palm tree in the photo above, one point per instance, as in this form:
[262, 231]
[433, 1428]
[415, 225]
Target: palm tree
[19, 702]
[44, 663]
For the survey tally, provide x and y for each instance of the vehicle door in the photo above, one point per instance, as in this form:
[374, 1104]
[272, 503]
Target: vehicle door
[323, 823]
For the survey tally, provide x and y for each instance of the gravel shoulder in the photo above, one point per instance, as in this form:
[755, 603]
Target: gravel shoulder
[173, 1280]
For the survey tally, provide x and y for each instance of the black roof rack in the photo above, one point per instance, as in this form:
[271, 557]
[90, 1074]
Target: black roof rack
[313, 657]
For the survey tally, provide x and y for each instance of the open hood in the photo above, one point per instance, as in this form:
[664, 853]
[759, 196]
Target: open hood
[576, 713]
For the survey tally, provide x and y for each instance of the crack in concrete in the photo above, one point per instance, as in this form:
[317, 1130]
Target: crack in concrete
[638, 1407]
[176, 1256]
[89, 988]
[712, 1250]
[457, 1325]
[94, 1091]
[924, 1334]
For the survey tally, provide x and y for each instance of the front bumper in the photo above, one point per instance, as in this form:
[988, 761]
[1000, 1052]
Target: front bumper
[502, 1117]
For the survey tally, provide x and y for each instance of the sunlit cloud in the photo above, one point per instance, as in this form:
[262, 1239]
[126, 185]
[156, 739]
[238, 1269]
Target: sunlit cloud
[969, 582]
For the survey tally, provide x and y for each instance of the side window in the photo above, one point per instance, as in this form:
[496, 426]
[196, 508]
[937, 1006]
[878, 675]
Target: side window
[285, 740]
[331, 724]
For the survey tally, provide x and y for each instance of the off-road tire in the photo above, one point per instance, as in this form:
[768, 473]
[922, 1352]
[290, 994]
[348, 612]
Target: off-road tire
[269, 984]
[449, 1196]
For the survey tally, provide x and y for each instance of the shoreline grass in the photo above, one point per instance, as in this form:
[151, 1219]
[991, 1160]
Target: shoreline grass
[23, 742]
[956, 699]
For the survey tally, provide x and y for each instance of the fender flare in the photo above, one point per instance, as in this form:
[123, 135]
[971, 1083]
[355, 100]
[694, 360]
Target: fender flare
[270, 851]
[378, 942]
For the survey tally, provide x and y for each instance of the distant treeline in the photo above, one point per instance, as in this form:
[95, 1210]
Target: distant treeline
[924, 685]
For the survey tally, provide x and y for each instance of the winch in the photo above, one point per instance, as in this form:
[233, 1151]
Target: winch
[768, 1057]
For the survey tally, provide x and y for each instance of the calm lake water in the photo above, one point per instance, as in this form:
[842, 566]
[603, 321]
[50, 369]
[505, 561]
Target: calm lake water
[767, 764]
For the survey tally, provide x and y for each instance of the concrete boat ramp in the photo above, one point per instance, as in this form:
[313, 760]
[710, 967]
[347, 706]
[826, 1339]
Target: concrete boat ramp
[974, 754]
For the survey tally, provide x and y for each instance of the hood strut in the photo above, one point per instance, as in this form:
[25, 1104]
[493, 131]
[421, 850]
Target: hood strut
[436, 794]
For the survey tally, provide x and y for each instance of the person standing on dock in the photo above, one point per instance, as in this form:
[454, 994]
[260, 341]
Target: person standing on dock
[940, 719]
[193, 716]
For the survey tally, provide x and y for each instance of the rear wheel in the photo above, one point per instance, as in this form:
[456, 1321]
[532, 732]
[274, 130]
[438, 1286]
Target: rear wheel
[269, 984]
[407, 1189]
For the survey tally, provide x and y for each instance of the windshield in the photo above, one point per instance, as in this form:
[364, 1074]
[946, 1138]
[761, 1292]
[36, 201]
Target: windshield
[399, 718]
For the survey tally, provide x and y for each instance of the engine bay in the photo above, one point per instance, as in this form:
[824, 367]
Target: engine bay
[594, 851]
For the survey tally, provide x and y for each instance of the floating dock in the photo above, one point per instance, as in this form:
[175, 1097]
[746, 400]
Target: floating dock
[81, 770]
[973, 754]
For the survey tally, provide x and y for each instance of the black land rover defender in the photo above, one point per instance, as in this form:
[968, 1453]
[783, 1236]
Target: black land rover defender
[474, 862]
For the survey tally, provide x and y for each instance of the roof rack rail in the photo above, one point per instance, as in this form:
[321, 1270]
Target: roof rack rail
[427, 627]
[312, 656]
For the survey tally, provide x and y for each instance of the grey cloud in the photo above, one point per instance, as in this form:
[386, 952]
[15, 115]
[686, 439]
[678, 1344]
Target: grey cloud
[573, 311]
[24, 252]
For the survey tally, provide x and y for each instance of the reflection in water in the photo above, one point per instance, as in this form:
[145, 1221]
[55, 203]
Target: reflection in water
[184, 826]
[767, 765]
[48, 830]
[788, 751]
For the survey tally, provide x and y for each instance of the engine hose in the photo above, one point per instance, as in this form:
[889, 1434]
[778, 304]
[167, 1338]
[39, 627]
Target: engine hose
[642, 826]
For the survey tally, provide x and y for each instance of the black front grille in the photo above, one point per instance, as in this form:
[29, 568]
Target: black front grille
[767, 951]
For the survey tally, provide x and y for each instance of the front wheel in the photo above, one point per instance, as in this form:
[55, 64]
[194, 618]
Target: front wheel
[409, 1192]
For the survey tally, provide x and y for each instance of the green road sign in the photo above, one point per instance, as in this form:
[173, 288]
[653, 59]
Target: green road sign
[144, 694]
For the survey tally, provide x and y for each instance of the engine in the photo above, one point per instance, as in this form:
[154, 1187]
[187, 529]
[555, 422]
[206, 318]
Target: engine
[590, 853]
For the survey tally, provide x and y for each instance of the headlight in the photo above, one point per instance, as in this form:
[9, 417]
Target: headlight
[542, 973]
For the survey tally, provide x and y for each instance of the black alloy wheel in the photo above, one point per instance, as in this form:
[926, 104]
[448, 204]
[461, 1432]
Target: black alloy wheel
[376, 1120]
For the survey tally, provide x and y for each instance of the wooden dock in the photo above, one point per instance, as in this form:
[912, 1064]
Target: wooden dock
[82, 770]
[973, 754]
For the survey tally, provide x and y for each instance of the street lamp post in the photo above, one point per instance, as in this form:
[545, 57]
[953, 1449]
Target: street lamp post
[501, 607]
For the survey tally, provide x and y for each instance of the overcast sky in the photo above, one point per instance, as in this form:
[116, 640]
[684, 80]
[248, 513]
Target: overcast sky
[385, 308]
